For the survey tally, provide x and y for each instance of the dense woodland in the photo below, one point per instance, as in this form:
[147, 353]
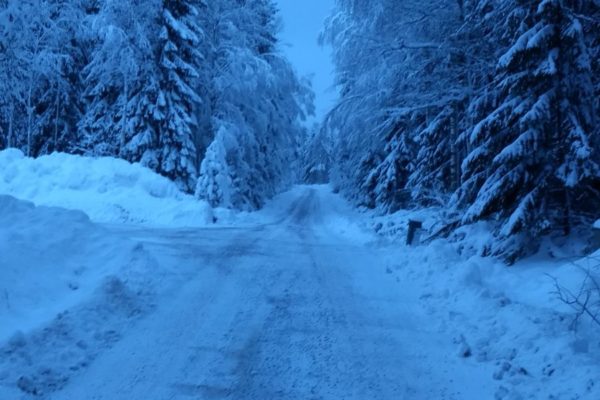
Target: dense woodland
[196, 90]
[489, 109]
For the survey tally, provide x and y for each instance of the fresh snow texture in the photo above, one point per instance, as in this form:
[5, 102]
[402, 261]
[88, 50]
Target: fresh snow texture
[67, 289]
[301, 302]
[50, 259]
[107, 189]
[507, 323]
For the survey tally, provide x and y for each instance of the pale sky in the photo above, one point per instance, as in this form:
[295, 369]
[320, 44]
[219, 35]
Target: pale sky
[303, 21]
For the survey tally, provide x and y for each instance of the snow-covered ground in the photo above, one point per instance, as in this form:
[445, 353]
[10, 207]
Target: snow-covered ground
[51, 258]
[508, 321]
[108, 190]
[61, 278]
[298, 301]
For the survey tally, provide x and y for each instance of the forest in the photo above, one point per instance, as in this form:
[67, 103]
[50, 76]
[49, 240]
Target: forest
[299, 199]
[489, 109]
[195, 90]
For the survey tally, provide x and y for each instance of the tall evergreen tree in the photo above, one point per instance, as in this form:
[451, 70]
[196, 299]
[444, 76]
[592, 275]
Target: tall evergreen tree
[180, 62]
[34, 63]
[257, 106]
[397, 69]
[120, 81]
[534, 153]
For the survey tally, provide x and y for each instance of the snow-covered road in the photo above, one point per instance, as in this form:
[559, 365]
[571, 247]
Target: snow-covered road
[288, 309]
[297, 301]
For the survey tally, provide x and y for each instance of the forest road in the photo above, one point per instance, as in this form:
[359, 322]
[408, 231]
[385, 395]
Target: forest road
[285, 310]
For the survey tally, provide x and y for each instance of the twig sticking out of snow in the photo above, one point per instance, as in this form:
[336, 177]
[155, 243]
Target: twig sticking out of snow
[584, 301]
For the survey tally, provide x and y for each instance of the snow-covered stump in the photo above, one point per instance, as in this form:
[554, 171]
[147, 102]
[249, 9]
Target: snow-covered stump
[415, 228]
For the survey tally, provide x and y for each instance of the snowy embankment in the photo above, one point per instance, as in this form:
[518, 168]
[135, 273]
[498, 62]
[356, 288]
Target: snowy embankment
[62, 277]
[68, 286]
[108, 190]
[526, 342]
[51, 259]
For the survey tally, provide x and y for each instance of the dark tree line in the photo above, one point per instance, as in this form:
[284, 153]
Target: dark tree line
[196, 90]
[488, 107]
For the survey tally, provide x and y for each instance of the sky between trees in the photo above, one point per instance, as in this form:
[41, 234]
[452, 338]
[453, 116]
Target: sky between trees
[303, 21]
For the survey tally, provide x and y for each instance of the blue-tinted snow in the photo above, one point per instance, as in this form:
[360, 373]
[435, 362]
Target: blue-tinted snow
[297, 301]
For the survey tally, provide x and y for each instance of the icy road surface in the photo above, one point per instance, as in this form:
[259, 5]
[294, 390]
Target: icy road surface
[298, 306]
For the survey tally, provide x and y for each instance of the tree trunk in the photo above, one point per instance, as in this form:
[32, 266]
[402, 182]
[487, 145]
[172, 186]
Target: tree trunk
[29, 120]
[56, 120]
[11, 116]
[124, 113]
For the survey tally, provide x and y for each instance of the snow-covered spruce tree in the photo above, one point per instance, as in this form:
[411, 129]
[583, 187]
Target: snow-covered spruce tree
[385, 185]
[107, 78]
[141, 102]
[256, 107]
[435, 172]
[364, 75]
[393, 64]
[454, 72]
[34, 63]
[534, 155]
[180, 40]
[214, 184]
[317, 155]
[141, 129]
[122, 82]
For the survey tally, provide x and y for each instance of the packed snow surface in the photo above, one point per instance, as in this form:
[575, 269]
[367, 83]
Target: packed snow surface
[107, 189]
[50, 260]
[298, 302]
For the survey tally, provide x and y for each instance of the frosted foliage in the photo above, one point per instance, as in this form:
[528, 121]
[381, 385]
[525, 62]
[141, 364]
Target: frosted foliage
[154, 81]
[215, 179]
[259, 106]
[541, 141]
[488, 107]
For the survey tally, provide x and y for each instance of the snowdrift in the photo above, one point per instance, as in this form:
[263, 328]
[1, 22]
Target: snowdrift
[108, 190]
[50, 258]
[508, 322]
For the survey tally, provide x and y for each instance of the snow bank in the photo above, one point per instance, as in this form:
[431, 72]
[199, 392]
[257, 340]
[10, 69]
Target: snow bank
[109, 190]
[394, 227]
[50, 258]
[507, 321]
[68, 289]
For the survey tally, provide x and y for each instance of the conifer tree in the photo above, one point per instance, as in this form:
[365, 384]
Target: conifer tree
[120, 82]
[180, 39]
[257, 106]
[534, 152]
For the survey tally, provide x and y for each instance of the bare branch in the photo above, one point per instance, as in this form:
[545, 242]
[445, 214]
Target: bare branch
[585, 301]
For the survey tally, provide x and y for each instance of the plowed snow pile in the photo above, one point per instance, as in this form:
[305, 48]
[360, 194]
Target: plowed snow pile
[67, 289]
[107, 189]
[50, 259]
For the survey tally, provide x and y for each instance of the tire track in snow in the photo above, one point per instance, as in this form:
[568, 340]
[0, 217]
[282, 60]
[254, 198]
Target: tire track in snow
[273, 311]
